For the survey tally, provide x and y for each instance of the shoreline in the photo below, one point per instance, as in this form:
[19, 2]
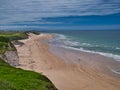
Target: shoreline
[35, 55]
[63, 39]
[109, 65]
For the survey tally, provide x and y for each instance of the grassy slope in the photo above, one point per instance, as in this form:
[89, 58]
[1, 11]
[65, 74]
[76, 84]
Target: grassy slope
[4, 44]
[6, 37]
[12, 78]
[17, 79]
[14, 35]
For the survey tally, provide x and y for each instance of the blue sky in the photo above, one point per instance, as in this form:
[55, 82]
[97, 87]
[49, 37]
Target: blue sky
[59, 14]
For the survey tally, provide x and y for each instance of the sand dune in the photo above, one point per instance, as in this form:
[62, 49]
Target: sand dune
[35, 55]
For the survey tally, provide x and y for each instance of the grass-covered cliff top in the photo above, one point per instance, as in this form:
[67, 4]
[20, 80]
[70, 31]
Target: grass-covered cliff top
[13, 35]
[7, 37]
[12, 78]
[5, 44]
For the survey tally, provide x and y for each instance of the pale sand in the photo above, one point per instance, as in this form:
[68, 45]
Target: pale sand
[35, 55]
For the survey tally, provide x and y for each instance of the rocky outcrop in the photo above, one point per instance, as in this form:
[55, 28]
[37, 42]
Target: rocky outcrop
[11, 57]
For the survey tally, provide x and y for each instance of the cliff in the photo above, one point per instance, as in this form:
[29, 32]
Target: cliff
[11, 57]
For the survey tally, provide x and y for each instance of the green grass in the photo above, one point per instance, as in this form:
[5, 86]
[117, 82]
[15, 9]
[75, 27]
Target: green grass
[7, 37]
[3, 44]
[14, 35]
[17, 79]
[5, 47]
[4, 39]
[12, 78]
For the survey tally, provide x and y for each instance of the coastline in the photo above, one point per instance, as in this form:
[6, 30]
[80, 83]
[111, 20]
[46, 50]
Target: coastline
[36, 55]
[94, 61]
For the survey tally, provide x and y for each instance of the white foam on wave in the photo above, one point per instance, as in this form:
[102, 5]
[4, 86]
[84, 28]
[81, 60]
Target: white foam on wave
[114, 71]
[86, 44]
[115, 57]
[118, 48]
[68, 44]
[71, 43]
[60, 36]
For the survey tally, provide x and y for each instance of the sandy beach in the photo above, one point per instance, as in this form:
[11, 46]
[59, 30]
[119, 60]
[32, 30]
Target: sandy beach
[63, 71]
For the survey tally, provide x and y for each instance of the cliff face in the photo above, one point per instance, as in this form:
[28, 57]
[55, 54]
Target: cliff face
[11, 57]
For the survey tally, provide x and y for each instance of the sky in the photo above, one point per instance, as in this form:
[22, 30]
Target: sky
[59, 14]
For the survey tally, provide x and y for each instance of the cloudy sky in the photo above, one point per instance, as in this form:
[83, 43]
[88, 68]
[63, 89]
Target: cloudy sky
[60, 14]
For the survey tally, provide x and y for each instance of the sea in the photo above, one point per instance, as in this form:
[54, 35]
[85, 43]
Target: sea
[103, 42]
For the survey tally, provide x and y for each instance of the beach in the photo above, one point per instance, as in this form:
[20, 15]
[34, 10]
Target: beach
[67, 69]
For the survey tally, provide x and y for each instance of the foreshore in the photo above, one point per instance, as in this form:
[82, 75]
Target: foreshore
[36, 55]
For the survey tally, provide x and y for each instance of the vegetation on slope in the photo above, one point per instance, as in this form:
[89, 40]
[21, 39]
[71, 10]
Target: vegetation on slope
[12, 78]
[4, 44]
[7, 37]
[14, 35]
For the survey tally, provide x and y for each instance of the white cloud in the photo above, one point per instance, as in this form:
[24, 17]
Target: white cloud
[29, 10]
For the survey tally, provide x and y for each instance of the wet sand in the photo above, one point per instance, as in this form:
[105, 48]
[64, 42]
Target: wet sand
[94, 61]
[64, 68]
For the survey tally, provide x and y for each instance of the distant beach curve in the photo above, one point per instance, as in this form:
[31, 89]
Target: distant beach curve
[68, 69]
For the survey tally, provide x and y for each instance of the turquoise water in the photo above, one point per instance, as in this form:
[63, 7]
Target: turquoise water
[104, 42]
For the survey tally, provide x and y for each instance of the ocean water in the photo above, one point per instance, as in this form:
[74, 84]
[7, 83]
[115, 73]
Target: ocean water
[104, 42]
